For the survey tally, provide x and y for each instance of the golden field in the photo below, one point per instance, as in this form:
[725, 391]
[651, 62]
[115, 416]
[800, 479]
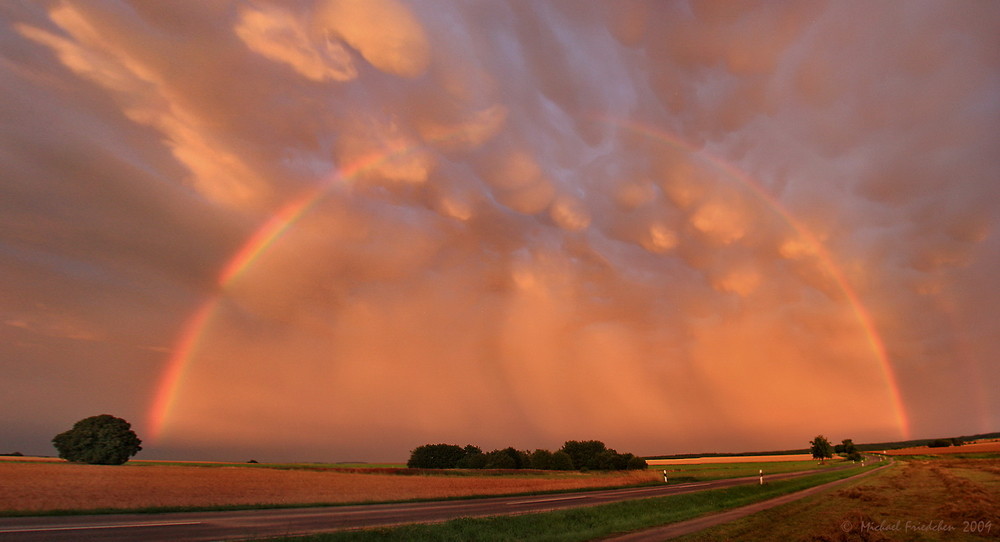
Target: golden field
[992, 446]
[943, 498]
[53, 485]
[729, 459]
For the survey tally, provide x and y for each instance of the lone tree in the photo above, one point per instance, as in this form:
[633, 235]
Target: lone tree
[98, 440]
[821, 448]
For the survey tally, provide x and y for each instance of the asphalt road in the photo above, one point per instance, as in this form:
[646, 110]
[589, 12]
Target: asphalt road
[249, 524]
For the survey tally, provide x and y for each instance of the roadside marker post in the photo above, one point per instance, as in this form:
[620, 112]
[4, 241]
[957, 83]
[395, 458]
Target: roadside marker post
[761, 476]
[664, 476]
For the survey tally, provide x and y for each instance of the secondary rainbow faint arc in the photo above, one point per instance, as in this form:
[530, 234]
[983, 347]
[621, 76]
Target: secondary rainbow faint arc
[860, 312]
[253, 247]
[286, 216]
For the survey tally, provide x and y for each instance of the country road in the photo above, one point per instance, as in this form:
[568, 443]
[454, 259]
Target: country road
[248, 524]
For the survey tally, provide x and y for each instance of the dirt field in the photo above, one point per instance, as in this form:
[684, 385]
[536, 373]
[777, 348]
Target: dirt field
[47, 485]
[945, 499]
[971, 448]
[729, 459]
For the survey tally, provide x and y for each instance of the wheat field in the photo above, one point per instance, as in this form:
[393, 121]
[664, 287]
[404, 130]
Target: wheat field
[991, 446]
[48, 485]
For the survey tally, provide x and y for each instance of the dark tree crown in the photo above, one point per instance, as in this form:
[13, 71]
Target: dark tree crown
[98, 440]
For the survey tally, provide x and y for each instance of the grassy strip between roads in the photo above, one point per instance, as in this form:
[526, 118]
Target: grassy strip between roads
[701, 472]
[585, 523]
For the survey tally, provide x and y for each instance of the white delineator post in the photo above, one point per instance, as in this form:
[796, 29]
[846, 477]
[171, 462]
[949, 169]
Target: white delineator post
[664, 476]
[761, 476]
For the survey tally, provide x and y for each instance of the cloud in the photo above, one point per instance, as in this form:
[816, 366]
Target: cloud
[385, 32]
[95, 49]
[531, 221]
[278, 36]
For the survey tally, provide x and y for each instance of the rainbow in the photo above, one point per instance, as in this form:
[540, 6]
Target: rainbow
[255, 245]
[823, 255]
[272, 229]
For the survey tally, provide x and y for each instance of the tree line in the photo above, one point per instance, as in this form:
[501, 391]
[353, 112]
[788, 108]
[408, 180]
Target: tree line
[574, 455]
[822, 449]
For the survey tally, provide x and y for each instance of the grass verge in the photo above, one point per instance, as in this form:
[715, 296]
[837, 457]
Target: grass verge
[701, 472]
[584, 523]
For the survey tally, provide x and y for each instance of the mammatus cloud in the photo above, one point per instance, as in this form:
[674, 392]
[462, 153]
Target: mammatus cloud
[671, 226]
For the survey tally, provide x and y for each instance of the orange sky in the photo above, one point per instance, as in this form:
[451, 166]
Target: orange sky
[336, 230]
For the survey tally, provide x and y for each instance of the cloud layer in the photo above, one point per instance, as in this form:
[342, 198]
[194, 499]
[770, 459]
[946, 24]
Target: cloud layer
[671, 226]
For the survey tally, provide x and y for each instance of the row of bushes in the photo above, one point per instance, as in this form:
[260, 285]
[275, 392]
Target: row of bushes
[574, 455]
[944, 443]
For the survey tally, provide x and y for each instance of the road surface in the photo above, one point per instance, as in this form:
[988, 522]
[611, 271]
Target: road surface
[249, 524]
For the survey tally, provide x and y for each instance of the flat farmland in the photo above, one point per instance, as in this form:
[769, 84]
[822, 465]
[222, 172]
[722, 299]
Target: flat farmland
[36, 486]
[688, 470]
[970, 448]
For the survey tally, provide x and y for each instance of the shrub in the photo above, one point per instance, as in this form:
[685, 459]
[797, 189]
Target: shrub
[635, 463]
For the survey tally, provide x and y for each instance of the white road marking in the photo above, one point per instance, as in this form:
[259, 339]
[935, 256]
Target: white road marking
[85, 527]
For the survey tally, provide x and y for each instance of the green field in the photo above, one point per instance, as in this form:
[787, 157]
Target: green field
[716, 471]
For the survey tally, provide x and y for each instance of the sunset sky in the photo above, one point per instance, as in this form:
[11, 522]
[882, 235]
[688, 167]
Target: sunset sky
[333, 230]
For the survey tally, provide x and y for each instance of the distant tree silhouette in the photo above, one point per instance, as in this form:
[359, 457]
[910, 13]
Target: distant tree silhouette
[635, 463]
[474, 458]
[502, 459]
[584, 453]
[541, 459]
[561, 461]
[849, 450]
[590, 455]
[436, 456]
[507, 458]
[98, 440]
[821, 448]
